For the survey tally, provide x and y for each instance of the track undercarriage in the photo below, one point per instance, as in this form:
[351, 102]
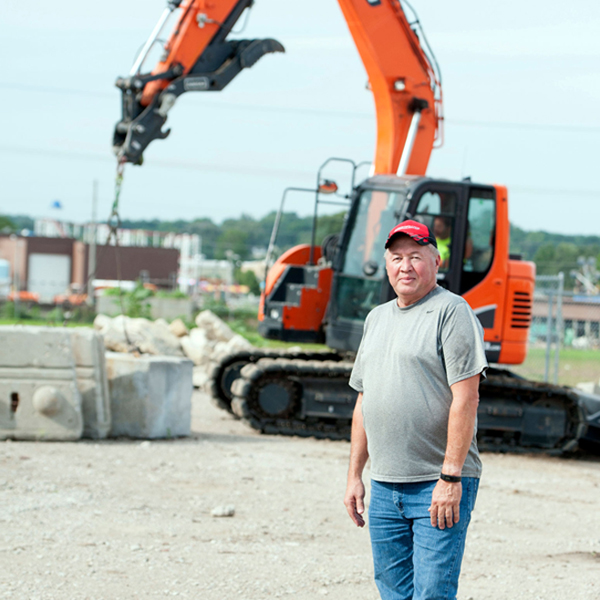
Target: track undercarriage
[307, 394]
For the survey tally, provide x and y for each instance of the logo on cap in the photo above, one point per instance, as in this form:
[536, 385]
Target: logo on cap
[419, 232]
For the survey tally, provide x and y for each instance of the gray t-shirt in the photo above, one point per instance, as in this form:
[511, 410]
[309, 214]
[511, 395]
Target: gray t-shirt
[407, 361]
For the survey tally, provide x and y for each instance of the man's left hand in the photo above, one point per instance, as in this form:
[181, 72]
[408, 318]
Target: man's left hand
[445, 504]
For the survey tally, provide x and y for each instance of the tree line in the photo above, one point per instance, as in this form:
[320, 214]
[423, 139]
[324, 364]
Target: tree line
[552, 252]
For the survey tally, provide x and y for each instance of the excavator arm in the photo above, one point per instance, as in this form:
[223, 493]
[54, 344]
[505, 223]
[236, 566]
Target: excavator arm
[197, 57]
[405, 82]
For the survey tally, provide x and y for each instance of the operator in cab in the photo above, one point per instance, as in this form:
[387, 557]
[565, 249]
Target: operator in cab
[442, 230]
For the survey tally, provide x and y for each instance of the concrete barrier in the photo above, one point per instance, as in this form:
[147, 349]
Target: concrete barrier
[150, 396]
[88, 350]
[39, 396]
[171, 308]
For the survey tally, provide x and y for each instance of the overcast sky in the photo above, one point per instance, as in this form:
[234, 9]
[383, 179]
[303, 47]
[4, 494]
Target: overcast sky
[521, 87]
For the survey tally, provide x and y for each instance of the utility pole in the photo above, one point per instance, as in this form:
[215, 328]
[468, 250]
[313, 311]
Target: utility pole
[91, 300]
[16, 276]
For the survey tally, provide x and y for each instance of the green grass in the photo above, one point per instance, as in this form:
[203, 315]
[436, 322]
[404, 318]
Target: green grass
[248, 328]
[42, 322]
[575, 366]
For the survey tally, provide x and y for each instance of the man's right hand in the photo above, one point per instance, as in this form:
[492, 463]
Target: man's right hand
[354, 501]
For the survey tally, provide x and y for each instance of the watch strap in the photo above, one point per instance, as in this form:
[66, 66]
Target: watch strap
[450, 478]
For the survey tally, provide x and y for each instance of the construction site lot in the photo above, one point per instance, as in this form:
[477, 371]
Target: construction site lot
[134, 519]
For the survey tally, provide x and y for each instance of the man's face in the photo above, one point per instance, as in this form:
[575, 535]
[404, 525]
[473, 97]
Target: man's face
[411, 269]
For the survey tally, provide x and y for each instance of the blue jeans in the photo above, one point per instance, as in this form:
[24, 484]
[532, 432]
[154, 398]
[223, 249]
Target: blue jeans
[413, 560]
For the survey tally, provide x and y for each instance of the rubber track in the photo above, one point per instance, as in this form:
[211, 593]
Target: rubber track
[498, 383]
[222, 399]
[503, 383]
[291, 371]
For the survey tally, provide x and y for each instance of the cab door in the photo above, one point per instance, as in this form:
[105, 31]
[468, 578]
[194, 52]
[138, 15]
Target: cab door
[442, 206]
[470, 224]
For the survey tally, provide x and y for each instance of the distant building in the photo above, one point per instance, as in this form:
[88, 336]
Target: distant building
[580, 314]
[49, 266]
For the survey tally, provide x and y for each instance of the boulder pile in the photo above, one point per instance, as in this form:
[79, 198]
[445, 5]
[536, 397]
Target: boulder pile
[203, 345]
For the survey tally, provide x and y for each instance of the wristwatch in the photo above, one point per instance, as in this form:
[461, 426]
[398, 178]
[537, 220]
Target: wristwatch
[450, 478]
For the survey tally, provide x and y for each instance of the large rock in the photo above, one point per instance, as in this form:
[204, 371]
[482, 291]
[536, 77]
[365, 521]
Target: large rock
[235, 344]
[123, 334]
[214, 328]
[150, 396]
[201, 378]
[199, 355]
[101, 322]
[39, 395]
[207, 343]
[199, 338]
[178, 328]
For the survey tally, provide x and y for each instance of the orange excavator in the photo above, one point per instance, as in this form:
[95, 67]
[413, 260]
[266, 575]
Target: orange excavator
[323, 293]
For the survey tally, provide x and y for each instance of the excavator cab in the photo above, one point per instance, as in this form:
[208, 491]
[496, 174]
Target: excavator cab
[470, 222]
[329, 300]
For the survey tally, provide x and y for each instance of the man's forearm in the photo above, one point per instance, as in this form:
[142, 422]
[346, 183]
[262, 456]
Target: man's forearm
[461, 424]
[354, 499]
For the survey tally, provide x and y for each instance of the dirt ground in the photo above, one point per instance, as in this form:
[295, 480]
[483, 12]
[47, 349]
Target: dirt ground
[132, 519]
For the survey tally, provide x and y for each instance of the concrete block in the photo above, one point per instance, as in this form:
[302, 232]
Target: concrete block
[90, 365]
[39, 397]
[166, 308]
[108, 305]
[150, 396]
[171, 308]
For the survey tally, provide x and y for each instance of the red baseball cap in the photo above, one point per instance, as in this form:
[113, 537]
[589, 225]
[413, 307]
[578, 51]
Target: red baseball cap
[417, 231]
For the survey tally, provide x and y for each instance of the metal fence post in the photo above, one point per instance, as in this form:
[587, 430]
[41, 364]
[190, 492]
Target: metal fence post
[559, 324]
[548, 336]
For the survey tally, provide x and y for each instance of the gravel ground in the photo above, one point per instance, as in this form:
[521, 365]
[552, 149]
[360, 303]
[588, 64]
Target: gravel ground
[131, 519]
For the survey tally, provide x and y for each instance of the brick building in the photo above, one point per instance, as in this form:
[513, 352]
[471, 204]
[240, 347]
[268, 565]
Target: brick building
[49, 265]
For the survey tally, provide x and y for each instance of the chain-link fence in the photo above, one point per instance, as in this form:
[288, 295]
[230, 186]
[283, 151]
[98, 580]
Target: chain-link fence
[564, 339]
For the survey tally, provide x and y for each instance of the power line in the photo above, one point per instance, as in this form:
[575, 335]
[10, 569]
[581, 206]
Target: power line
[329, 113]
[250, 170]
[170, 164]
[25, 87]
[529, 126]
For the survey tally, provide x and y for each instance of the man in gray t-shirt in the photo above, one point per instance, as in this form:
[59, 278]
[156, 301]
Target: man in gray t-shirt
[417, 372]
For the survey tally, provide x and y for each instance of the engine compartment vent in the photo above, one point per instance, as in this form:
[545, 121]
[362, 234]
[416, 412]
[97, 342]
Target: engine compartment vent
[522, 305]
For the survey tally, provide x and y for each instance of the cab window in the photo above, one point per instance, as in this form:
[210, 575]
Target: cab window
[480, 241]
[437, 210]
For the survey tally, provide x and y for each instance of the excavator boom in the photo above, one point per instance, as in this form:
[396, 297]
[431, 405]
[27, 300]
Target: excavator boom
[405, 83]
